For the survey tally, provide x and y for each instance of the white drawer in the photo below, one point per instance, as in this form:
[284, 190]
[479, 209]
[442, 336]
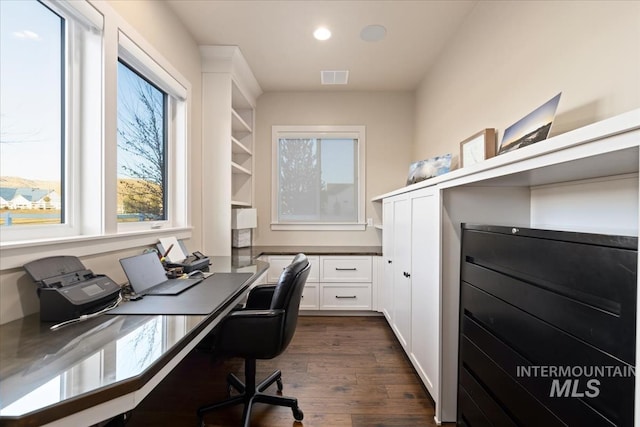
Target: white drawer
[277, 263]
[346, 296]
[345, 269]
[310, 297]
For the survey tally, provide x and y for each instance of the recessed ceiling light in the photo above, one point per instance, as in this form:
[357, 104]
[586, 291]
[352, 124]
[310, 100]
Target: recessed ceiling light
[373, 33]
[322, 33]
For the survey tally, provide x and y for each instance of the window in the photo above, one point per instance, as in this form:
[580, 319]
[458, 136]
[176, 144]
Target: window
[318, 177]
[142, 148]
[50, 103]
[32, 115]
[152, 142]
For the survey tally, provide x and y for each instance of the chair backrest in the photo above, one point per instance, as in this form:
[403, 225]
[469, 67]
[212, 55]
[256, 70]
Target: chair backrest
[288, 294]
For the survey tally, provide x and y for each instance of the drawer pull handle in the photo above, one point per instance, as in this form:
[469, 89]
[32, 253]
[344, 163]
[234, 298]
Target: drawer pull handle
[346, 297]
[346, 269]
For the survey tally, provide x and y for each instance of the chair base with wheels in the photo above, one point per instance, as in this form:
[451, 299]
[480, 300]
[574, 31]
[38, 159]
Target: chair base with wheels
[251, 393]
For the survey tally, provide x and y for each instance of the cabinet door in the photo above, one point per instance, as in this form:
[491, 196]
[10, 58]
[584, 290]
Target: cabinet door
[425, 288]
[385, 293]
[401, 317]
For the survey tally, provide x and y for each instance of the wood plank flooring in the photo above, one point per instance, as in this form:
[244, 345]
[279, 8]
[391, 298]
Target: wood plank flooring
[345, 372]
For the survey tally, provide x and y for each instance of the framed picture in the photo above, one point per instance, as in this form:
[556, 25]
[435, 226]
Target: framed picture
[478, 147]
[425, 169]
[534, 127]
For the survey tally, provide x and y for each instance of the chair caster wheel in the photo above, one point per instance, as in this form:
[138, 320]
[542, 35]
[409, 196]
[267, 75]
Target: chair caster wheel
[279, 384]
[297, 414]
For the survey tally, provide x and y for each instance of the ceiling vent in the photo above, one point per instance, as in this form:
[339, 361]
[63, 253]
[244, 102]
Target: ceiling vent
[334, 77]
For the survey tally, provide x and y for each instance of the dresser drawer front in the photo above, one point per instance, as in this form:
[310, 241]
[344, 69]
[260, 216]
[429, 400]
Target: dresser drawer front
[310, 297]
[277, 263]
[346, 296]
[346, 269]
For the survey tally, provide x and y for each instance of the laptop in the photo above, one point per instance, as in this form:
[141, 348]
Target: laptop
[147, 276]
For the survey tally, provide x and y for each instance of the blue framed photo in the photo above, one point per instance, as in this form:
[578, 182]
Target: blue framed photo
[429, 168]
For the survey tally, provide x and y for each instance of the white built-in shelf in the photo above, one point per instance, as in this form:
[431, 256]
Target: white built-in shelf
[237, 169]
[378, 226]
[225, 71]
[606, 148]
[238, 125]
[238, 147]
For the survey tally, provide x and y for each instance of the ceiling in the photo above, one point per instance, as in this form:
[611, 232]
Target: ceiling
[276, 38]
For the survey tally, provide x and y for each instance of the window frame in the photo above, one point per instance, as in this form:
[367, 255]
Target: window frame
[319, 131]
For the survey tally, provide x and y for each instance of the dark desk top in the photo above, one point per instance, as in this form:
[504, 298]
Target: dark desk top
[256, 251]
[47, 375]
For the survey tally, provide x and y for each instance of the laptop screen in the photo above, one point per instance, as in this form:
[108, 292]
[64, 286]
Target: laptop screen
[143, 271]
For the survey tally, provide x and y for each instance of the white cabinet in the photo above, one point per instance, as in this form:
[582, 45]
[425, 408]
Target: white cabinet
[346, 282]
[341, 282]
[229, 93]
[411, 246]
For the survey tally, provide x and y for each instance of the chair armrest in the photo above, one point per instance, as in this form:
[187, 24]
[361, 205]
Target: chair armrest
[252, 333]
[260, 297]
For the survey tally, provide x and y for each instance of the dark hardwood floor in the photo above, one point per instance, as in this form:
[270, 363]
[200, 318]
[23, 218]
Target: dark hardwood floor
[345, 372]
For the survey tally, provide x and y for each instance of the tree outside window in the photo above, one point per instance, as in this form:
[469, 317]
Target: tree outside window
[142, 148]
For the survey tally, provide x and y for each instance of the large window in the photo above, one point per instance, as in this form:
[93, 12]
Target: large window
[319, 177]
[142, 148]
[32, 114]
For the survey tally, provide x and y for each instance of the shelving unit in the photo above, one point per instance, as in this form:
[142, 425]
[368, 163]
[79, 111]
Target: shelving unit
[242, 114]
[229, 92]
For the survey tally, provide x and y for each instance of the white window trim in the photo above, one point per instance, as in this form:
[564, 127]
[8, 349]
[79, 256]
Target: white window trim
[305, 131]
[98, 232]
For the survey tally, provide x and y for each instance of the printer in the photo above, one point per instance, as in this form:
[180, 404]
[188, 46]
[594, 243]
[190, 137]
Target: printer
[193, 262]
[68, 290]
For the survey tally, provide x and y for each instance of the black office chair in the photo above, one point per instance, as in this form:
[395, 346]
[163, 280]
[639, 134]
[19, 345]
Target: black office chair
[262, 330]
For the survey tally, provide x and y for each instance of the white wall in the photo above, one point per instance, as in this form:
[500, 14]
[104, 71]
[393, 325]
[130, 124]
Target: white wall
[388, 117]
[509, 57]
[155, 22]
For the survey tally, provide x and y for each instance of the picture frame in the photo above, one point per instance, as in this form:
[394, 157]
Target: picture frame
[478, 147]
[429, 168]
[532, 128]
